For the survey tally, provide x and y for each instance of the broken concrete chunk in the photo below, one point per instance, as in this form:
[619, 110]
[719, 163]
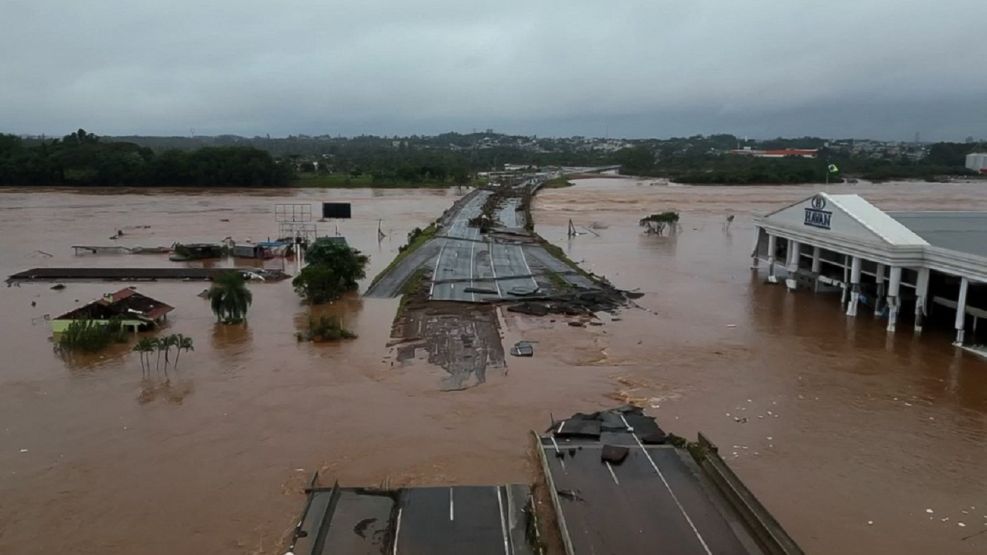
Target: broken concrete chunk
[613, 454]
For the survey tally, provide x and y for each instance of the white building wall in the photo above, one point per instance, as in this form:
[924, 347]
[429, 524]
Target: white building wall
[976, 161]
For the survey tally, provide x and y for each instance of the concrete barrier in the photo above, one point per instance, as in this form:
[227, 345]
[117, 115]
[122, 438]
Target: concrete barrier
[765, 529]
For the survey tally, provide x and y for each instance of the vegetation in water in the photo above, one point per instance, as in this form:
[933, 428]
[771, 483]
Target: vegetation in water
[91, 336]
[656, 223]
[229, 298]
[325, 328]
[147, 346]
[557, 183]
[333, 269]
[661, 217]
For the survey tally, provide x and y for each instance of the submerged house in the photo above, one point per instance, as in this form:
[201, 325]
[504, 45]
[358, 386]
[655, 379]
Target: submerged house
[196, 251]
[135, 311]
[262, 250]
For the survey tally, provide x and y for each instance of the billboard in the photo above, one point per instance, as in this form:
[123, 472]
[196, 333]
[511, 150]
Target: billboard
[336, 210]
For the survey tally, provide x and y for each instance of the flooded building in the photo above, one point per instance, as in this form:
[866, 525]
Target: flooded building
[135, 311]
[977, 161]
[923, 267]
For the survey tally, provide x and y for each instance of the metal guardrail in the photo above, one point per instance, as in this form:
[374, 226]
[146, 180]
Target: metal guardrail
[554, 494]
[765, 529]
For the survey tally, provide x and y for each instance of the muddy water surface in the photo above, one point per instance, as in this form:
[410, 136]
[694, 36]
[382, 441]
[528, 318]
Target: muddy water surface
[862, 426]
[841, 425]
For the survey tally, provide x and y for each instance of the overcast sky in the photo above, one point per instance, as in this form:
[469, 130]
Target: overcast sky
[654, 68]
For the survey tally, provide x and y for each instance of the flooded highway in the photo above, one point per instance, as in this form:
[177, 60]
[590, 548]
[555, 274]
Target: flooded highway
[847, 434]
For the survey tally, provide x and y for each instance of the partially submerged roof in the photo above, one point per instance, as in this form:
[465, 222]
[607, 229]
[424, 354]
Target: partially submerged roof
[125, 303]
[958, 231]
[849, 215]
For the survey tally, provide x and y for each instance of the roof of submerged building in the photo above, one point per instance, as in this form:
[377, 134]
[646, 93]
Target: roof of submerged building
[876, 220]
[959, 231]
[954, 242]
[125, 303]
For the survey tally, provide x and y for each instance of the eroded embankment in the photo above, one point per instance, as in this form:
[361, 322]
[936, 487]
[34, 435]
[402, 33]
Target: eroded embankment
[482, 254]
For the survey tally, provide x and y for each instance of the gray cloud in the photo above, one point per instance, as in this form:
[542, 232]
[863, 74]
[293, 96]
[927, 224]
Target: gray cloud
[876, 68]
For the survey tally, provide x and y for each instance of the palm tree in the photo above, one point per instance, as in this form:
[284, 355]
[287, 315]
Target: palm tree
[159, 345]
[229, 298]
[143, 348]
[168, 342]
[183, 344]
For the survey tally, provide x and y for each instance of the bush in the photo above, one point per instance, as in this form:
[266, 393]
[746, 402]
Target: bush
[325, 328]
[661, 217]
[91, 336]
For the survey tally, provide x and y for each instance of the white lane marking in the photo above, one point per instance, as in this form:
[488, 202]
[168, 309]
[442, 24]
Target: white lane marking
[612, 474]
[451, 511]
[503, 525]
[557, 451]
[528, 268]
[435, 271]
[626, 425]
[397, 532]
[493, 268]
[472, 265]
[670, 492]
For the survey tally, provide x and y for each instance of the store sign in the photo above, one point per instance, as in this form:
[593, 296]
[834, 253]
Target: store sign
[818, 216]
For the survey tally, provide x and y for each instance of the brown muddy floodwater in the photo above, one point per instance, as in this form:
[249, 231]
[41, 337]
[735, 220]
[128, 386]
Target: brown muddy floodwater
[850, 434]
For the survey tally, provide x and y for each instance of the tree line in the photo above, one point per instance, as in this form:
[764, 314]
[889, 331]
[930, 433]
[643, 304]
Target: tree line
[705, 160]
[84, 159]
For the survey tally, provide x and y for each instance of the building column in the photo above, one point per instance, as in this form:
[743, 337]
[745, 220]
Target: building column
[921, 297]
[894, 288]
[961, 312]
[754, 253]
[794, 248]
[854, 286]
[879, 280]
[816, 267]
[846, 279]
[772, 246]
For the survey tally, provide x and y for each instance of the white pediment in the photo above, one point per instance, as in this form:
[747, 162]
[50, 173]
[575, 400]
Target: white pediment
[846, 216]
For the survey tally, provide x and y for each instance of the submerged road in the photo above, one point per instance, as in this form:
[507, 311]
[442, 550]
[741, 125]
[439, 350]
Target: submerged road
[650, 499]
[478, 520]
[507, 263]
[472, 267]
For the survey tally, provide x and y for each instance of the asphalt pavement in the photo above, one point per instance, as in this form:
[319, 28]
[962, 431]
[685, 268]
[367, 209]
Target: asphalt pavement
[472, 267]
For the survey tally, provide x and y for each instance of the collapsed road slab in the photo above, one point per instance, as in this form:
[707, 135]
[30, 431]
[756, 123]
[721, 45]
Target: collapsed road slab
[618, 487]
[478, 520]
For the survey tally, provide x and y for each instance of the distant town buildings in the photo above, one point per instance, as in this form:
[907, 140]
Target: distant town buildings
[777, 152]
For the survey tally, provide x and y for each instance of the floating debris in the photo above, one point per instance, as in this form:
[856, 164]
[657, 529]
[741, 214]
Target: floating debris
[523, 349]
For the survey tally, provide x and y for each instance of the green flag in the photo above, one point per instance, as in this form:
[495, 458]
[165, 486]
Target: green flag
[833, 168]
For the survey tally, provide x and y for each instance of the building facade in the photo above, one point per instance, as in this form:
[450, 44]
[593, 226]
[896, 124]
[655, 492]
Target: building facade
[903, 265]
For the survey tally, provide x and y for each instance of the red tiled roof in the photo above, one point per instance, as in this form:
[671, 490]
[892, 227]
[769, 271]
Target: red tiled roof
[791, 151]
[123, 303]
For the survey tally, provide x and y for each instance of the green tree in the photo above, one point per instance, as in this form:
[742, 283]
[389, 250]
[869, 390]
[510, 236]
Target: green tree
[229, 298]
[333, 269]
[182, 343]
[144, 348]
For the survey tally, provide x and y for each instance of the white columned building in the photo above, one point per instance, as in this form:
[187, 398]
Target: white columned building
[924, 261]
